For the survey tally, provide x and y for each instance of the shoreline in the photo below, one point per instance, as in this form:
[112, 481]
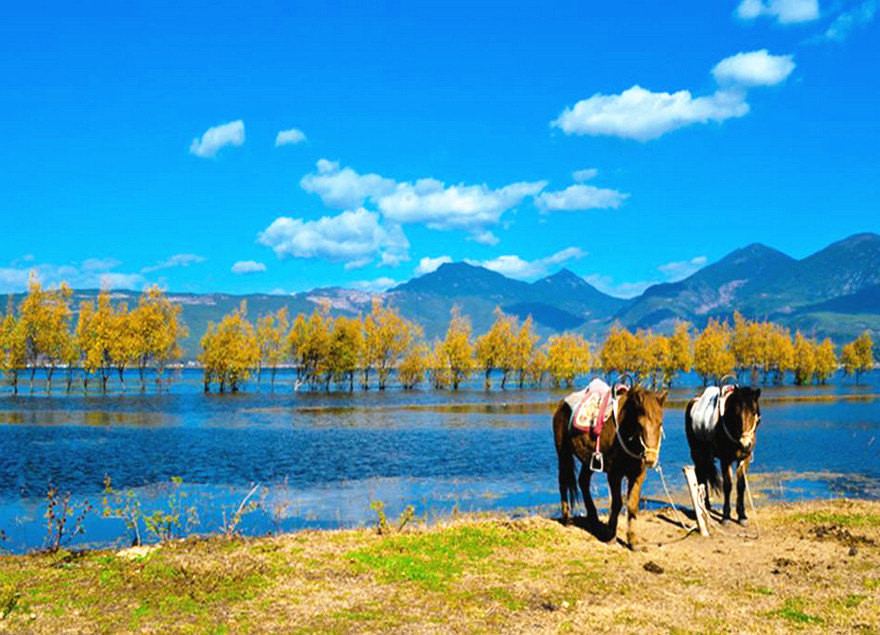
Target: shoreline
[814, 565]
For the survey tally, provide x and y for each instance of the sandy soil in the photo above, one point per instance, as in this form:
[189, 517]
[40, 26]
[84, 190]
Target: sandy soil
[811, 566]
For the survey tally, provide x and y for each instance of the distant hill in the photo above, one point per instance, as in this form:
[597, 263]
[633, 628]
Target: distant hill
[834, 292]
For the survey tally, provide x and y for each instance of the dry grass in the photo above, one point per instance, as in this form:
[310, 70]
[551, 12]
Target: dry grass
[815, 567]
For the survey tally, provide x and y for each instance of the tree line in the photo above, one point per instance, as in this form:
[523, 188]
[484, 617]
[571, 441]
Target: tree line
[378, 347]
[106, 337]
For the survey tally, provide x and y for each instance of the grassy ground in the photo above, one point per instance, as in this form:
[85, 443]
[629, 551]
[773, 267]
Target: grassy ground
[815, 567]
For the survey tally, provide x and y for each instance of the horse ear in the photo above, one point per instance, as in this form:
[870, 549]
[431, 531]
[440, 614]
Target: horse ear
[661, 398]
[757, 393]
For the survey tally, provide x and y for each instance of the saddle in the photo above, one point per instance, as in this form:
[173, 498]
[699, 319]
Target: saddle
[590, 409]
[708, 410]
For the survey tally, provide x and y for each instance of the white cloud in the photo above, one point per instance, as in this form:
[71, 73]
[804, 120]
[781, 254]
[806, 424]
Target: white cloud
[675, 271]
[469, 207]
[584, 175]
[757, 68]
[215, 138]
[848, 20]
[113, 280]
[580, 197]
[99, 264]
[785, 11]
[248, 266]
[91, 273]
[352, 237]
[289, 137]
[344, 188]
[644, 115]
[670, 272]
[606, 284]
[484, 237]
[516, 267]
[427, 265]
[177, 260]
[377, 285]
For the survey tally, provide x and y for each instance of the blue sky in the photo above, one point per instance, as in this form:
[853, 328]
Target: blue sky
[631, 144]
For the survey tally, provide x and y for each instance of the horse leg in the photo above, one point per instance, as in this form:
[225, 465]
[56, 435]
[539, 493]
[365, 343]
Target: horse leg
[632, 508]
[727, 475]
[615, 481]
[584, 481]
[740, 490]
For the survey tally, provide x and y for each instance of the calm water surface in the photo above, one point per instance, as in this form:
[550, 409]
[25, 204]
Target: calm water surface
[321, 458]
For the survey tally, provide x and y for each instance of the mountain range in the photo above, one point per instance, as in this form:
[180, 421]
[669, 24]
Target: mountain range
[834, 292]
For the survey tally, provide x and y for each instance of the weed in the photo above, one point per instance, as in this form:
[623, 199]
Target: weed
[64, 520]
[9, 595]
[791, 611]
[382, 526]
[839, 519]
[230, 527]
[853, 600]
[128, 508]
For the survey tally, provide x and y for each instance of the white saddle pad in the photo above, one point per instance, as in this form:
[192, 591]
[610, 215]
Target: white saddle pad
[707, 410]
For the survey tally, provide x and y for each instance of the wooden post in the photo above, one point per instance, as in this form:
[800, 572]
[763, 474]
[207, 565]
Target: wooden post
[698, 497]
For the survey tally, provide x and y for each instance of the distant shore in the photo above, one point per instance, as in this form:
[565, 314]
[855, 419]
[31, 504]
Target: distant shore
[813, 565]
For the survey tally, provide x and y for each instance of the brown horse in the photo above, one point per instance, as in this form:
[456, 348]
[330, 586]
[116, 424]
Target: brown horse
[630, 443]
[732, 439]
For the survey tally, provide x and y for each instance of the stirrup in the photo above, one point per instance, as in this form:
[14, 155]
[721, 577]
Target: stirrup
[597, 463]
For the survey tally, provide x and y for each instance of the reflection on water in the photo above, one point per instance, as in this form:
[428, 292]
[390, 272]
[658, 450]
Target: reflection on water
[321, 458]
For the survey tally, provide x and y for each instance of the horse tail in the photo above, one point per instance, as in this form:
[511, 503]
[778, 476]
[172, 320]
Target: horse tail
[568, 490]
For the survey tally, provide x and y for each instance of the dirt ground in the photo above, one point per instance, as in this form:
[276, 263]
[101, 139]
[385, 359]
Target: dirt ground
[811, 566]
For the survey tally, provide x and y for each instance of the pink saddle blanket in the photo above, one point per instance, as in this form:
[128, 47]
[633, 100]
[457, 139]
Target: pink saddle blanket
[592, 408]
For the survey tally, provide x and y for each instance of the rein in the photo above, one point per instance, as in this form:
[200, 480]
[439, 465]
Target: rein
[751, 433]
[645, 450]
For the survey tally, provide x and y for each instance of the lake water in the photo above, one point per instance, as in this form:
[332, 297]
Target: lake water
[321, 458]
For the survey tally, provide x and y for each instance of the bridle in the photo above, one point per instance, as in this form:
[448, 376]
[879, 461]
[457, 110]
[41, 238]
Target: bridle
[748, 436]
[647, 454]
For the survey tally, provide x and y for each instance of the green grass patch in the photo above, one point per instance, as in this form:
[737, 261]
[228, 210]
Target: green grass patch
[792, 611]
[760, 590]
[853, 600]
[839, 519]
[433, 560]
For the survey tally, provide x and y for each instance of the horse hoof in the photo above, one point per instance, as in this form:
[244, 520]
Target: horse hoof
[744, 522]
[725, 522]
[637, 548]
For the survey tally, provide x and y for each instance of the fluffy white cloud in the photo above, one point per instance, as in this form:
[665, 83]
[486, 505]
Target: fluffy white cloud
[344, 188]
[469, 207]
[427, 265]
[757, 68]
[516, 267]
[215, 138]
[848, 20]
[584, 175]
[580, 197]
[675, 271]
[248, 266]
[377, 285]
[644, 115]
[353, 237]
[91, 273]
[177, 260]
[785, 11]
[289, 137]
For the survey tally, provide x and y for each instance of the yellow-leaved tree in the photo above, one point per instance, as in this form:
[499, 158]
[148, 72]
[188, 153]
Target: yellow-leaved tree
[346, 349]
[568, 356]
[496, 349]
[229, 350]
[712, 359]
[12, 348]
[387, 337]
[826, 361]
[804, 359]
[524, 350]
[412, 367]
[457, 351]
[680, 356]
[858, 356]
[620, 353]
[158, 328]
[271, 332]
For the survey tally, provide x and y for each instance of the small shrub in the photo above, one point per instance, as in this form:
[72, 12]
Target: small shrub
[64, 520]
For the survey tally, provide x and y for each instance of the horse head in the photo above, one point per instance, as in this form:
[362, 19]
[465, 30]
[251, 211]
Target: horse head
[642, 415]
[744, 413]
